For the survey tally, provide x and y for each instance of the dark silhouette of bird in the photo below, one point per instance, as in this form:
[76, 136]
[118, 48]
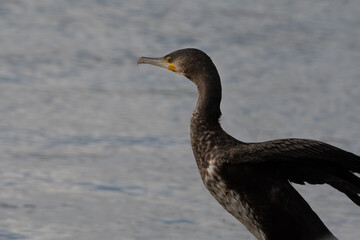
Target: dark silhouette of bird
[252, 180]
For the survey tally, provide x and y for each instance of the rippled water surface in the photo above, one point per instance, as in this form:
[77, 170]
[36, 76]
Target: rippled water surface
[94, 147]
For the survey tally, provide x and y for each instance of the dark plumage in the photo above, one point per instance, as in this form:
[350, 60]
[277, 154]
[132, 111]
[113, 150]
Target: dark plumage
[252, 180]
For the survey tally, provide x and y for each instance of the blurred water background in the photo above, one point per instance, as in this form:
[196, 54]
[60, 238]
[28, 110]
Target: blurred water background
[94, 147]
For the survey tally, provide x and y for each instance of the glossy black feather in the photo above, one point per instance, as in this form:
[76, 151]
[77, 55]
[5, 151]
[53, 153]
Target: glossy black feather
[303, 160]
[278, 207]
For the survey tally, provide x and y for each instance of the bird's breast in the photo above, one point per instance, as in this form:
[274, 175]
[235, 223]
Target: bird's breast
[233, 201]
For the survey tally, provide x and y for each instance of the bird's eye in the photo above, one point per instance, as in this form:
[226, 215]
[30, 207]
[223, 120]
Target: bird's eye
[169, 60]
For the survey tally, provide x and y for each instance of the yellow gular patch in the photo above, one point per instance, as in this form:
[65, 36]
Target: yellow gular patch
[171, 67]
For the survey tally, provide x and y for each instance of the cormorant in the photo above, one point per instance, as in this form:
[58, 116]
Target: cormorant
[252, 180]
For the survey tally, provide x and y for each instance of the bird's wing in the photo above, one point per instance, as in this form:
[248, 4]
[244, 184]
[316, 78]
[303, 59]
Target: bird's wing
[303, 160]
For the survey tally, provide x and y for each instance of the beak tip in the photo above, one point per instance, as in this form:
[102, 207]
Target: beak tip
[140, 61]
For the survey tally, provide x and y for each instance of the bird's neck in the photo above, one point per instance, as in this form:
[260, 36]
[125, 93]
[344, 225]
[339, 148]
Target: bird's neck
[205, 130]
[209, 98]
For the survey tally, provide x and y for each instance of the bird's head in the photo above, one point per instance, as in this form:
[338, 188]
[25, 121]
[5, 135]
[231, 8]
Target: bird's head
[190, 62]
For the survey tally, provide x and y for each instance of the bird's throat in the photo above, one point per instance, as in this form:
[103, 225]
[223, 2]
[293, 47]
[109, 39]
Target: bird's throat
[209, 98]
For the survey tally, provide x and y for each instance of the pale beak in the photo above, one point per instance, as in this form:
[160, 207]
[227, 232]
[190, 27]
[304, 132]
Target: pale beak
[153, 61]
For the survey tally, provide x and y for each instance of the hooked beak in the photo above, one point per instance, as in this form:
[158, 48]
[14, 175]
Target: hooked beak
[156, 62]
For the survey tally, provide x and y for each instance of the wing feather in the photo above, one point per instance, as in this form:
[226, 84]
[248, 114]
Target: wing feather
[303, 160]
